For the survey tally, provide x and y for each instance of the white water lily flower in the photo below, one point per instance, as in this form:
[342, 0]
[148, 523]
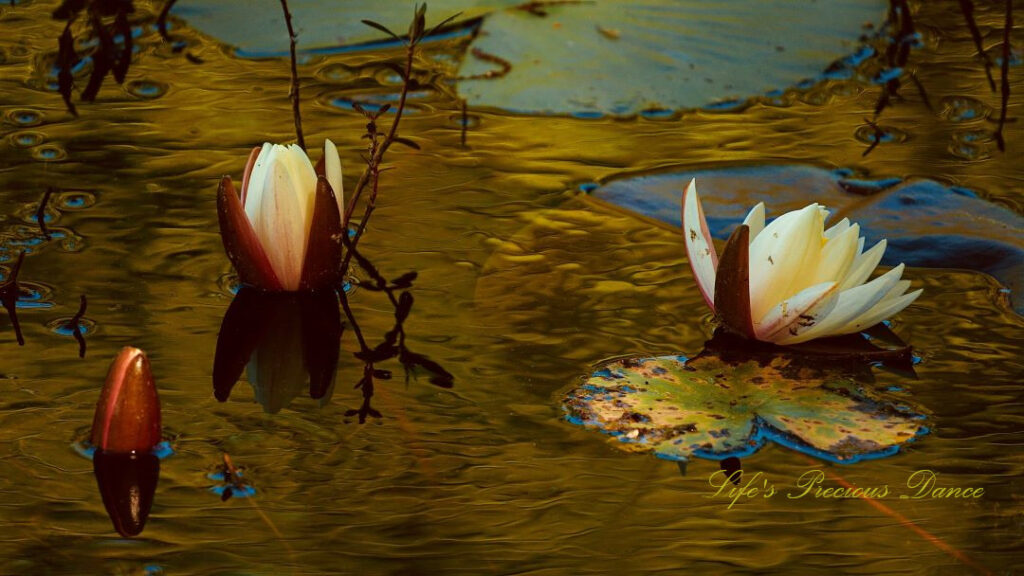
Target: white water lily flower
[282, 233]
[792, 280]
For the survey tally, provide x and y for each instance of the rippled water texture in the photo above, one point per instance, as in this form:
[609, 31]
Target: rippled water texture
[526, 283]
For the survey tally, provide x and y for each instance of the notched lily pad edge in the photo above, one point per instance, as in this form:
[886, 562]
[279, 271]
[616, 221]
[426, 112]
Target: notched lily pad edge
[761, 431]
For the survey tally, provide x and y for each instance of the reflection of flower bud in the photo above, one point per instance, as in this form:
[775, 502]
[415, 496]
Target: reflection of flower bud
[125, 429]
[283, 233]
[283, 341]
[128, 413]
[791, 280]
[127, 483]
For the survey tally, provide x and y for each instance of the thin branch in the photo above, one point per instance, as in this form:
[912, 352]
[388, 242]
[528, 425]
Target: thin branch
[1004, 76]
[293, 93]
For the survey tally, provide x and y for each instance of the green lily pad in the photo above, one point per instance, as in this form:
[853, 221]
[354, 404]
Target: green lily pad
[623, 57]
[710, 408]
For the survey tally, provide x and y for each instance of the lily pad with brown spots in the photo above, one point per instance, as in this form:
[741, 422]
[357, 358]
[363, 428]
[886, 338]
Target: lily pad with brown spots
[710, 408]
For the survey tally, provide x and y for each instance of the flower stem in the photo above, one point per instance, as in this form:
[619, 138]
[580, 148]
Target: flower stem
[293, 93]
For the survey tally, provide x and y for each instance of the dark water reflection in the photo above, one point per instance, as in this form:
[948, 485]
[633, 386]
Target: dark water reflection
[523, 285]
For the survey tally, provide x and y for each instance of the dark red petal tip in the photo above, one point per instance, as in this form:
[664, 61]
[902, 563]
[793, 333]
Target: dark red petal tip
[248, 171]
[732, 283]
[128, 413]
[240, 242]
[323, 252]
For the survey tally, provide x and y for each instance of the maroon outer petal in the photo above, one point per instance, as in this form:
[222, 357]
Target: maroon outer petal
[732, 283]
[323, 249]
[248, 171]
[240, 242]
[243, 326]
[321, 340]
[127, 415]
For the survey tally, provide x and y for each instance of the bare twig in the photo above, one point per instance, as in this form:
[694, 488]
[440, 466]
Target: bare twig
[293, 93]
[1004, 76]
[377, 150]
[76, 327]
[41, 213]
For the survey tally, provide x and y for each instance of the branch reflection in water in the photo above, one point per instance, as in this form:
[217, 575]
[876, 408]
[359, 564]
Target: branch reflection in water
[286, 342]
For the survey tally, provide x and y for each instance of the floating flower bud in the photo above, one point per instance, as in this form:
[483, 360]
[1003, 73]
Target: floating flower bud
[125, 430]
[791, 280]
[127, 415]
[284, 232]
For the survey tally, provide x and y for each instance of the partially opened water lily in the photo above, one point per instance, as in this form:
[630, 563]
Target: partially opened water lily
[792, 280]
[284, 232]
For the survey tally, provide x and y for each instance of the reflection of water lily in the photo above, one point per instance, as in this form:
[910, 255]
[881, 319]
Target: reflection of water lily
[282, 341]
[284, 232]
[792, 280]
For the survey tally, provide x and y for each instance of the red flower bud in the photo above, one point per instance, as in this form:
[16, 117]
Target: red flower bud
[128, 413]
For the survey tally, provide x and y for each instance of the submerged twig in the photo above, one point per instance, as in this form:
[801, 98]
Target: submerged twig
[76, 327]
[905, 522]
[293, 93]
[921, 91]
[1004, 76]
[967, 7]
[877, 136]
[9, 292]
[504, 66]
[161, 21]
[41, 213]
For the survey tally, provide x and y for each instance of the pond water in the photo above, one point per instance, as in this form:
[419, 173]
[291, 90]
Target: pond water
[525, 283]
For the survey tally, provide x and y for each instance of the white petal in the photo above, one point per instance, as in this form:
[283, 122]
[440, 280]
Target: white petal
[755, 220]
[781, 257]
[257, 183]
[850, 305]
[863, 265]
[304, 179]
[797, 314]
[825, 213]
[332, 168]
[837, 256]
[837, 229]
[699, 248]
[884, 309]
[281, 228]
